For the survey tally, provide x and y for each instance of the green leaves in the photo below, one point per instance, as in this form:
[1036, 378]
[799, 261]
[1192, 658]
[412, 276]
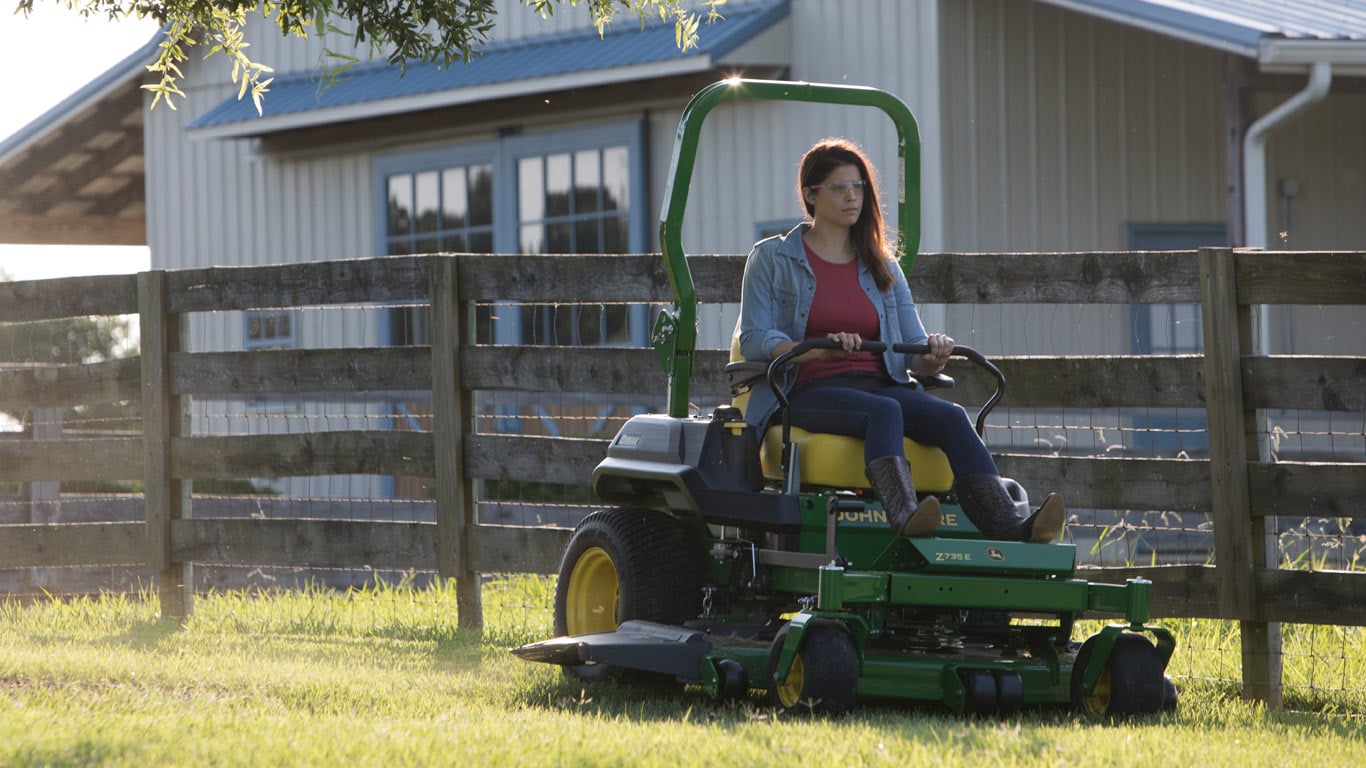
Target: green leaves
[221, 28]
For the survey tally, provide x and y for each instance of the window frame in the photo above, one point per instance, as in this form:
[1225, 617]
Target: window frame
[290, 341]
[1166, 236]
[504, 153]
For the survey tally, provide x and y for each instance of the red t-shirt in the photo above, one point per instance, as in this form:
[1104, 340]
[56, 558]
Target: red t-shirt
[839, 305]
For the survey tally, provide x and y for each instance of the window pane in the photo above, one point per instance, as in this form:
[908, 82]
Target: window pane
[535, 324]
[587, 180]
[400, 247]
[586, 236]
[531, 239]
[400, 205]
[269, 328]
[618, 330]
[557, 239]
[617, 238]
[590, 323]
[530, 190]
[481, 195]
[427, 245]
[455, 199]
[616, 179]
[453, 244]
[481, 242]
[557, 185]
[428, 201]
[566, 329]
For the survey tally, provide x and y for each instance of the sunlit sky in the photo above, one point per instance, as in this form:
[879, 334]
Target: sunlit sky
[46, 57]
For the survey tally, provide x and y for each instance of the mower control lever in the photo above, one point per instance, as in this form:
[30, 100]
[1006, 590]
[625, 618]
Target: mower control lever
[781, 362]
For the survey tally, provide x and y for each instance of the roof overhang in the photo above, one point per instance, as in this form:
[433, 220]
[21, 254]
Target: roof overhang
[751, 34]
[75, 174]
[1205, 28]
[1284, 43]
[269, 124]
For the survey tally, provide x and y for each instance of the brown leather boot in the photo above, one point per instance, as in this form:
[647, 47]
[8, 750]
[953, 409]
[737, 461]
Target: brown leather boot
[991, 509]
[1045, 525]
[891, 479]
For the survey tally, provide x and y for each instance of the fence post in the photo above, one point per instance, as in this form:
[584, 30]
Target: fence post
[451, 406]
[1239, 548]
[160, 423]
[44, 496]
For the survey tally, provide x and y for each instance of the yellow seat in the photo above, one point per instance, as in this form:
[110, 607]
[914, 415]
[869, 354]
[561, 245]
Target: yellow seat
[837, 460]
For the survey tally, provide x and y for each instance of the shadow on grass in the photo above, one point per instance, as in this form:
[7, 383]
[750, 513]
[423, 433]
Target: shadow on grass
[147, 634]
[644, 699]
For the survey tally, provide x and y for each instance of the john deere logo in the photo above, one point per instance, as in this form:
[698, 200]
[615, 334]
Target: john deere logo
[994, 553]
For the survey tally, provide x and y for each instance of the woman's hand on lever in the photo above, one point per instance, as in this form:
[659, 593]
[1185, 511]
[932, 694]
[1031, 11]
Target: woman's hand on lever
[849, 343]
[941, 346]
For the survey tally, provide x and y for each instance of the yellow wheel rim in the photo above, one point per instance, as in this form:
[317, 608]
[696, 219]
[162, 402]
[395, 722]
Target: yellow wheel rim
[790, 690]
[591, 602]
[1099, 699]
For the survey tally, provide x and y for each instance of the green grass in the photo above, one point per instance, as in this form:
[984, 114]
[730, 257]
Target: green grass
[384, 677]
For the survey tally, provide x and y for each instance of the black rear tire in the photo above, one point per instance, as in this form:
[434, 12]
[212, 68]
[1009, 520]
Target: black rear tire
[624, 564]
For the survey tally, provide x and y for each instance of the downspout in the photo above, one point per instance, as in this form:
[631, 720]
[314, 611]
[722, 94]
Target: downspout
[1254, 235]
[1254, 151]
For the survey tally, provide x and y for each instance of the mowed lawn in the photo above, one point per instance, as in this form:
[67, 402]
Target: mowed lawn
[383, 677]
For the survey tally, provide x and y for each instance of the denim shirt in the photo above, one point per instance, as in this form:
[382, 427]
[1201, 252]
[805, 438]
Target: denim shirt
[775, 302]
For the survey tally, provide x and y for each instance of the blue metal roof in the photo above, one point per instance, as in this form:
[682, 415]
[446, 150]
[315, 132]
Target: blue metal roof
[1304, 19]
[544, 56]
[1236, 25]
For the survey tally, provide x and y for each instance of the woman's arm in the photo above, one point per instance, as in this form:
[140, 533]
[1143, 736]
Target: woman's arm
[913, 331]
[759, 335]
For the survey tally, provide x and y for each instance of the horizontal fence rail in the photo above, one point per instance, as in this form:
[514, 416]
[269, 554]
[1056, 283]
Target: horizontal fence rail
[1241, 490]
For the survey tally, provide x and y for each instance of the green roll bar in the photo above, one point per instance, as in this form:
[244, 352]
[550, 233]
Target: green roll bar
[675, 333]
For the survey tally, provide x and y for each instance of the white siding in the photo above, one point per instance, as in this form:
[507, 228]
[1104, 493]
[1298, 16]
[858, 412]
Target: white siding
[1324, 151]
[747, 162]
[515, 20]
[1062, 129]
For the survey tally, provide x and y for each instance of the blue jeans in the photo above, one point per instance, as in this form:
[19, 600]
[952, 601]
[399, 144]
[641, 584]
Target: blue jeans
[882, 416]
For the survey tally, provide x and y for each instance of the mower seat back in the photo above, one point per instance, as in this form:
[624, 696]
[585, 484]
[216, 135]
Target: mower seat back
[826, 459]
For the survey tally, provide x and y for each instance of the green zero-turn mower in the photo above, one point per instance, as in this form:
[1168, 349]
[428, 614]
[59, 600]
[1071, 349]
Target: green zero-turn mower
[734, 561]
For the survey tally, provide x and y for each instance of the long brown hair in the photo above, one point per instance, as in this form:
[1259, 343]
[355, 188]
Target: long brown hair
[868, 233]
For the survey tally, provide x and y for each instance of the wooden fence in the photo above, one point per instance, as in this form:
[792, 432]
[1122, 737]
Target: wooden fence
[1237, 486]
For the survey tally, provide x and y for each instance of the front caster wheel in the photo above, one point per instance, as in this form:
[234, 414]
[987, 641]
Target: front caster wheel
[1131, 683]
[823, 678]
